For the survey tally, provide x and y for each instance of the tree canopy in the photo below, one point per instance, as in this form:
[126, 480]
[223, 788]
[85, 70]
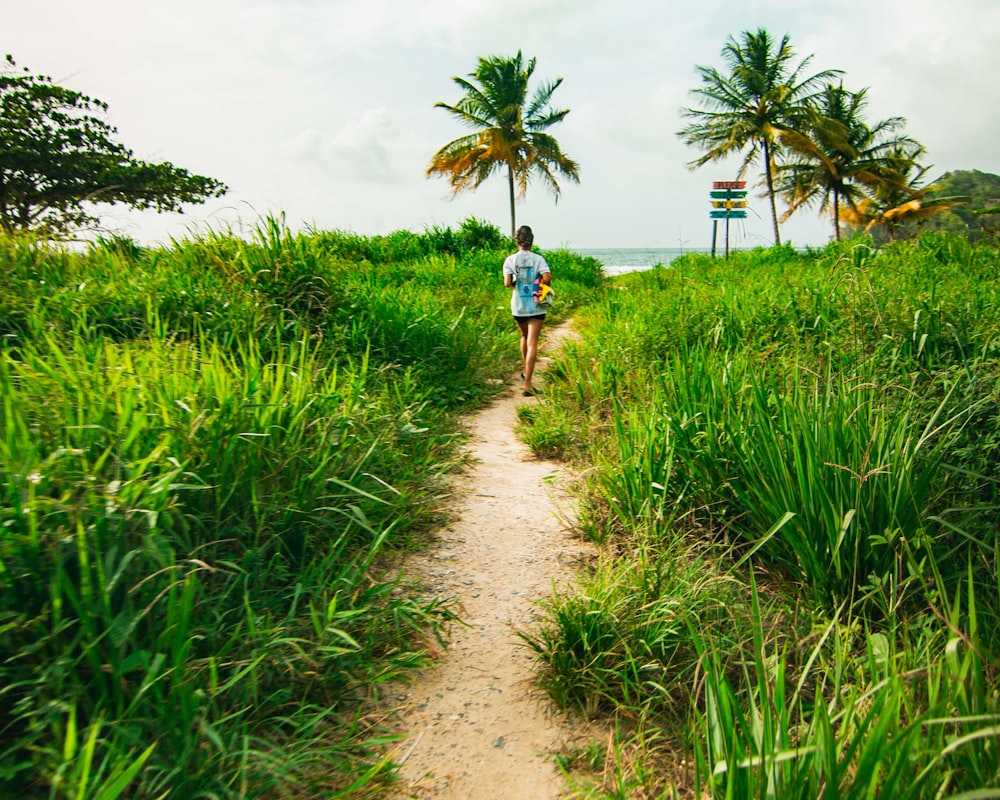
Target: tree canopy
[838, 158]
[510, 131]
[895, 207]
[59, 158]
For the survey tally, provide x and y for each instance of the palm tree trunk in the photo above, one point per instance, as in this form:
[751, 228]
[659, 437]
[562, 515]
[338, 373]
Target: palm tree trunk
[836, 215]
[510, 186]
[770, 192]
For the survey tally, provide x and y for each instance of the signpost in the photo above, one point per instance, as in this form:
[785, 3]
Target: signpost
[727, 198]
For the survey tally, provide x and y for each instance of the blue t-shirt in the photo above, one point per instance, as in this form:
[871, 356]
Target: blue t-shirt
[525, 266]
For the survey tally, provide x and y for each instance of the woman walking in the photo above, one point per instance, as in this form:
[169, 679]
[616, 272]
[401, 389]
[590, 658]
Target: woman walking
[525, 272]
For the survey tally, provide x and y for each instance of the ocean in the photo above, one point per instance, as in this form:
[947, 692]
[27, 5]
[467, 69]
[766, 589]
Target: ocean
[617, 261]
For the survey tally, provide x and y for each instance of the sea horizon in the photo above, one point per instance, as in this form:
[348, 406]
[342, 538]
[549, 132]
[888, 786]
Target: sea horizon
[617, 260]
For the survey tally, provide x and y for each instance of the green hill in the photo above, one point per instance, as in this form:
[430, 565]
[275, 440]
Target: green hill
[983, 189]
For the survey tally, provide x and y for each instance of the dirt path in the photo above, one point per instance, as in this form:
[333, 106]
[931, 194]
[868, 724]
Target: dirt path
[475, 726]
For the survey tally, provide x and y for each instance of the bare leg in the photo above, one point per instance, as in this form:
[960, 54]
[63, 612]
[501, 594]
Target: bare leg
[522, 326]
[530, 331]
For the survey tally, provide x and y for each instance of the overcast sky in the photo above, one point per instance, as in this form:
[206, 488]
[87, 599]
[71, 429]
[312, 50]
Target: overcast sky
[323, 109]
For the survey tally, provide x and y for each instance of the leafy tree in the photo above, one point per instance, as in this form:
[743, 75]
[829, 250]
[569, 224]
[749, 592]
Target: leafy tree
[58, 158]
[748, 107]
[838, 159]
[510, 131]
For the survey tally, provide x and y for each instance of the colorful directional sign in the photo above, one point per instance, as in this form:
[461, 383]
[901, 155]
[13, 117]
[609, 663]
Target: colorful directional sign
[726, 213]
[727, 197]
[726, 194]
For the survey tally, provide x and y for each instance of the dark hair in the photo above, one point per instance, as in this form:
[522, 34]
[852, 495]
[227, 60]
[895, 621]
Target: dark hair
[524, 237]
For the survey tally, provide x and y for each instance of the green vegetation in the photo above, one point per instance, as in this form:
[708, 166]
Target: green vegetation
[206, 453]
[510, 131]
[791, 466]
[209, 452]
[979, 216]
[57, 159]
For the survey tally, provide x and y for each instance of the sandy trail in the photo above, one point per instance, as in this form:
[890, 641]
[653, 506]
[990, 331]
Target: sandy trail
[475, 726]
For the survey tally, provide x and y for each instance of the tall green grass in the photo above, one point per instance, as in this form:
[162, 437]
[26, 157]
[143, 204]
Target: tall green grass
[168, 515]
[813, 436]
[886, 720]
[206, 452]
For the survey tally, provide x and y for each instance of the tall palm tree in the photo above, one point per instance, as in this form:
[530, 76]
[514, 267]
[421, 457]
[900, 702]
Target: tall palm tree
[510, 131]
[838, 159]
[761, 95]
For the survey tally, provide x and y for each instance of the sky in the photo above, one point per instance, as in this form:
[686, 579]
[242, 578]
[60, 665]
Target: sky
[322, 111]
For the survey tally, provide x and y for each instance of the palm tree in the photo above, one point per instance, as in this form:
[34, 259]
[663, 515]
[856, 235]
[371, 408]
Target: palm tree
[839, 159]
[761, 96]
[510, 131]
[900, 201]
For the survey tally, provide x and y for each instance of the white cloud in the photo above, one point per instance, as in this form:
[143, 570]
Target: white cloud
[360, 151]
